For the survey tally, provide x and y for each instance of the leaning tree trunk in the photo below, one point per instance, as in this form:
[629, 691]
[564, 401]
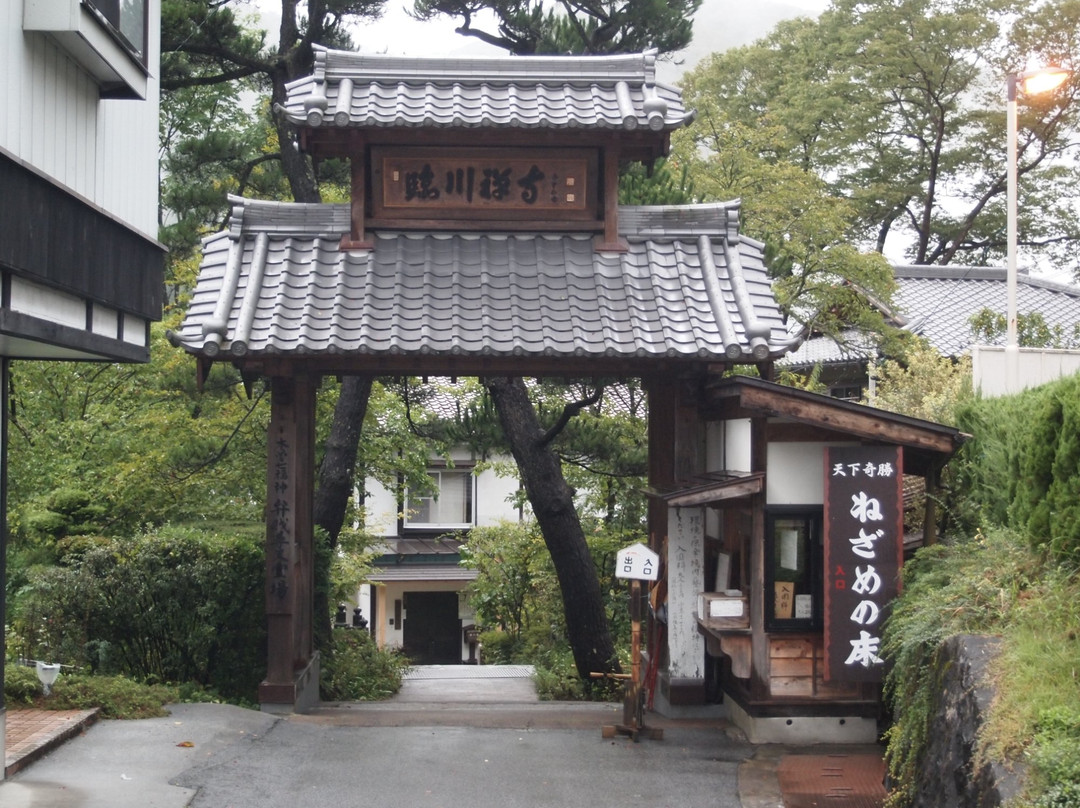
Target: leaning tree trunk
[335, 484]
[553, 505]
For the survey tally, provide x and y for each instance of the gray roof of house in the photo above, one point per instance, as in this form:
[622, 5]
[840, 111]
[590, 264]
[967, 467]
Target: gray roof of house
[688, 288]
[559, 92]
[938, 302]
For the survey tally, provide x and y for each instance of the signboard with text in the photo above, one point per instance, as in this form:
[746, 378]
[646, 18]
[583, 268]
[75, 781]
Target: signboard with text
[864, 551]
[637, 562]
[490, 183]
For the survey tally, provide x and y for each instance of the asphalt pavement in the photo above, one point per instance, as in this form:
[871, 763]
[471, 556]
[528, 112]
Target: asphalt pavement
[439, 744]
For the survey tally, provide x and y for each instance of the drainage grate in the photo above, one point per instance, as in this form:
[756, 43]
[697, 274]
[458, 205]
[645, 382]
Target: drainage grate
[832, 781]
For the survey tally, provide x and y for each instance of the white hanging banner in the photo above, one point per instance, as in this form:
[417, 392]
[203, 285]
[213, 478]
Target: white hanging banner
[637, 562]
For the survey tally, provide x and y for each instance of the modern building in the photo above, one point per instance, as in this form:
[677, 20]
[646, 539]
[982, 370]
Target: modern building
[81, 270]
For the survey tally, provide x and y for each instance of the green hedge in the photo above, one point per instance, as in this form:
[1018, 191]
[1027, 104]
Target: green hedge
[1022, 467]
[172, 605]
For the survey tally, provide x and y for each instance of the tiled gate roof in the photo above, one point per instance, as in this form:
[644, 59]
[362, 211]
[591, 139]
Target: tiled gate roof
[688, 288]
[524, 92]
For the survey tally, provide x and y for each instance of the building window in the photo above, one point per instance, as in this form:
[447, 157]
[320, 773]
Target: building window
[794, 583]
[448, 503]
[126, 20]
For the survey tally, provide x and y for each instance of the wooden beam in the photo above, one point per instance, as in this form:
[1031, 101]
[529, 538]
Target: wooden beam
[869, 424]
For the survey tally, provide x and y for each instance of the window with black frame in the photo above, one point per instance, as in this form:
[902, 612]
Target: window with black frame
[126, 20]
[794, 578]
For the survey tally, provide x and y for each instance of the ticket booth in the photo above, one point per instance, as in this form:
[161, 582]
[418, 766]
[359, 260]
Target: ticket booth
[783, 554]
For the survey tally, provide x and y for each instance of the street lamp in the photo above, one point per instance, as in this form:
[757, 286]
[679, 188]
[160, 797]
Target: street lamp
[1029, 82]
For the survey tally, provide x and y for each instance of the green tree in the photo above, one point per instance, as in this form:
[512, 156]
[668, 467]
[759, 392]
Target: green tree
[897, 109]
[582, 26]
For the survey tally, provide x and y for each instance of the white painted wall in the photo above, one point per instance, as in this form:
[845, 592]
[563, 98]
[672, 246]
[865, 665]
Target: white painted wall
[796, 473]
[1037, 366]
[492, 505]
[54, 120]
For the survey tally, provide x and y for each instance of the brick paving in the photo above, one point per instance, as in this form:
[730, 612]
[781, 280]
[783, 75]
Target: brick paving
[32, 733]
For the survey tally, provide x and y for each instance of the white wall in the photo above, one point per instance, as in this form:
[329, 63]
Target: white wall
[1037, 366]
[53, 120]
[796, 474]
[492, 504]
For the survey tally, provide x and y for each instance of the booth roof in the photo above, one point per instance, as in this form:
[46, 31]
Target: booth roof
[523, 92]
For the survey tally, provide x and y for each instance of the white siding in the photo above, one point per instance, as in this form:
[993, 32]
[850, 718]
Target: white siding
[53, 120]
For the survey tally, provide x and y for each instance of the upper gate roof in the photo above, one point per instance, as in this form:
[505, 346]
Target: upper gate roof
[504, 92]
[689, 288]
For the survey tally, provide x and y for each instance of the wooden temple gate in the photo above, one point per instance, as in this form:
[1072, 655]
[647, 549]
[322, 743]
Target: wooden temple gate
[483, 238]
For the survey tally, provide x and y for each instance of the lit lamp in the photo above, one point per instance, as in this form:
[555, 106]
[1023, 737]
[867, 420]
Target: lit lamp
[1029, 82]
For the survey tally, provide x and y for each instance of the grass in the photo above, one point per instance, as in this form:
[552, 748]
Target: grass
[992, 584]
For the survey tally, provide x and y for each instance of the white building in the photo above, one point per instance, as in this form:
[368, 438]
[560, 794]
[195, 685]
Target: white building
[80, 268]
[418, 603]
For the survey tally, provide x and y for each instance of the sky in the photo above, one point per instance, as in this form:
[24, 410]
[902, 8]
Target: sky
[719, 24]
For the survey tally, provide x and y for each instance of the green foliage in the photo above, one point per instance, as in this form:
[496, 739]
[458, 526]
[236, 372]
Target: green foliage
[923, 384]
[1032, 330]
[874, 119]
[1022, 467]
[586, 27]
[969, 588]
[355, 669]
[1055, 755]
[640, 186]
[109, 448]
[115, 696]
[174, 605]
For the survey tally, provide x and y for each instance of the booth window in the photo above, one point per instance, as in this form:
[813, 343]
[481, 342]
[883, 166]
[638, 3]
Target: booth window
[794, 583]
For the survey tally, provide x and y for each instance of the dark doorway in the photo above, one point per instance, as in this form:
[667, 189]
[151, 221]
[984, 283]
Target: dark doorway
[432, 630]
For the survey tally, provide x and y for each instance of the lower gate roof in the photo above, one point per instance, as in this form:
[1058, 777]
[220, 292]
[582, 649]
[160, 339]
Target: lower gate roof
[275, 286]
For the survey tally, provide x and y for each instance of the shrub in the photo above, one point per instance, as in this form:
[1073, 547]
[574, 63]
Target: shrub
[173, 605]
[115, 696]
[356, 669]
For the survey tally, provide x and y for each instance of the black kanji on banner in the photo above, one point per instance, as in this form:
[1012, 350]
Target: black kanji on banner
[864, 550]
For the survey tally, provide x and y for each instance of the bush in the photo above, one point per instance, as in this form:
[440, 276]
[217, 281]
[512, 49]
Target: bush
[1022, 469]
[115, 696]
[356, 669]
[173, 605]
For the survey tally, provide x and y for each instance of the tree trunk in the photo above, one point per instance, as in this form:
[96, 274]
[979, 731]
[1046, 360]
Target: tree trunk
[335, 484]
[553, 504]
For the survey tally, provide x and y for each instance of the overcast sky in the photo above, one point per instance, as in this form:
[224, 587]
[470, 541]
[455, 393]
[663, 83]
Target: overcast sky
[718, 25]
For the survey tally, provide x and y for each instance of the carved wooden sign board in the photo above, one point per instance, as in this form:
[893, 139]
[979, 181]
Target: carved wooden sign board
[433, 183]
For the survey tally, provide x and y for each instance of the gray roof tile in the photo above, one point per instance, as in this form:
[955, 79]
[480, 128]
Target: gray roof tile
[271, 286]
[607, 92]
[938, 303]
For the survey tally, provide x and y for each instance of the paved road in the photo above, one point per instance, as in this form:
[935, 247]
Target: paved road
[403, 754]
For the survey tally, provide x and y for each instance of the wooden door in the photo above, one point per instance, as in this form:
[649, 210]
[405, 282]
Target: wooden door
[432, 630]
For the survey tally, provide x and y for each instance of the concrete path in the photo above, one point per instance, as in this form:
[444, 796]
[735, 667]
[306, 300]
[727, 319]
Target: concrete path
[451, 737]
[422, 749]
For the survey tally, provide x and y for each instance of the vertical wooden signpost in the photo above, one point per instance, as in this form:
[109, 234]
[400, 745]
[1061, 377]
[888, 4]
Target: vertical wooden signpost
[637, 563]
[863, 555]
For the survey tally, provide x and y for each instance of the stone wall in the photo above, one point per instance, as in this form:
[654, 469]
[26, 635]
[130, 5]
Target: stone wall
[948, 776]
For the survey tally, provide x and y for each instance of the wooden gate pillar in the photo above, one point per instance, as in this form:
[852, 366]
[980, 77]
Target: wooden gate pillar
[292, 676]
[676, 455]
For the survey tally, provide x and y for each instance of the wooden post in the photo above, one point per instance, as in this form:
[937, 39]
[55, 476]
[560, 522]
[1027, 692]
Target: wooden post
[357, 238]
[292, 667]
